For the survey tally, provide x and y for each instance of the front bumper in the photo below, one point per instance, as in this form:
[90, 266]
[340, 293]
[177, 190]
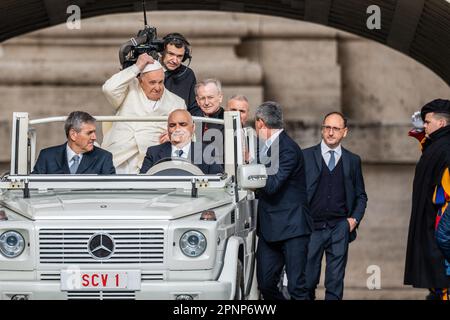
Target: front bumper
[157, 290]
[221, 289]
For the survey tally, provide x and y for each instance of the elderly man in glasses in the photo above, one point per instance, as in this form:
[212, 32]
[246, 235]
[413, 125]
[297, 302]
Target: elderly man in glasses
[337, 201]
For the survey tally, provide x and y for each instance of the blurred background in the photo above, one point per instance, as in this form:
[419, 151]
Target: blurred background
[310, 69]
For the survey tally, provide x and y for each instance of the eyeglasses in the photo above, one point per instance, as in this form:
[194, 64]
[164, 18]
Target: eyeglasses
[329, 128]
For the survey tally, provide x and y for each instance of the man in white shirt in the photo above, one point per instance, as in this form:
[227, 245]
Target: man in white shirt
[137, 91]
[180, 128]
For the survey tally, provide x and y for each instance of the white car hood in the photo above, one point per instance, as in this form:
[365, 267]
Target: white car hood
[130, 205]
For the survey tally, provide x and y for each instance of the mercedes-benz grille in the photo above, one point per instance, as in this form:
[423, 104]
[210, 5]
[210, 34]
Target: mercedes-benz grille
[64, 246]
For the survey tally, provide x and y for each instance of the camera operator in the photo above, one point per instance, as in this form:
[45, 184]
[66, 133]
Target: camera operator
[179, 78]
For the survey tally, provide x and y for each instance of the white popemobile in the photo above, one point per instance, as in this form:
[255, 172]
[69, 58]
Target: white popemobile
[183, 235]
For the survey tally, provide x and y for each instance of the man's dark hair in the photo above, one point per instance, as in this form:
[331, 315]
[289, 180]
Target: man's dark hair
[270, 112]
[179, 41]
[176, 39]
[76, 119]
[436, 106]
[337, 113]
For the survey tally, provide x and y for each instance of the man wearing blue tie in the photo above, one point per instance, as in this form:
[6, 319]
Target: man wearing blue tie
[78, 155]
[337, 201]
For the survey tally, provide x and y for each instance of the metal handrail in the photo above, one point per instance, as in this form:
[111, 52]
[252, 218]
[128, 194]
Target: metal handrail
[124, 119]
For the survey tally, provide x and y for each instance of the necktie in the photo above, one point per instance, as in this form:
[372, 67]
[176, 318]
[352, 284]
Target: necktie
[332, 162]
[179, 153]
[76, 162]
[263, 158]
[264, 150]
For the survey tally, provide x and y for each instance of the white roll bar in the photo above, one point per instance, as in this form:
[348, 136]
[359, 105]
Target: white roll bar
[123, 119]
[24, 138]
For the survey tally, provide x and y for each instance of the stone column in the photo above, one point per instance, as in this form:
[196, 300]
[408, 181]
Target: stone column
[300, 65]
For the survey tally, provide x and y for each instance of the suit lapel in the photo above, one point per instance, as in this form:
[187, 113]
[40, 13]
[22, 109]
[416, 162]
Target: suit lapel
[345, 163]
[61, 159]
[277, 142]
[318, 157]
[88, 159]
[165, 151]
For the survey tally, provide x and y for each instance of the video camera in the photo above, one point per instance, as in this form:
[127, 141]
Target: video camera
[146, 41]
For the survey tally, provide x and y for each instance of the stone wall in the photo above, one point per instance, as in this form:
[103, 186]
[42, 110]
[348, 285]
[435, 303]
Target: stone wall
[309, 69]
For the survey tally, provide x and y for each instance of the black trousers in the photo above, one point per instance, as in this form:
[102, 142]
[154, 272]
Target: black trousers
[272, 256]
[333, 241]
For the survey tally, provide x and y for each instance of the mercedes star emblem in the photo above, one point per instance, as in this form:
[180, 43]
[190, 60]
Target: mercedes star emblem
[101, 246]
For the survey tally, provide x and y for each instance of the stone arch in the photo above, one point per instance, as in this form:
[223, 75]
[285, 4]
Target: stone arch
[418, 28]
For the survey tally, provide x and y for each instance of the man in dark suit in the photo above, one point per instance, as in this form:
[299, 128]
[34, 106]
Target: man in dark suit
[284, 223]
[337, 201]
[180, 128]
[78, 155]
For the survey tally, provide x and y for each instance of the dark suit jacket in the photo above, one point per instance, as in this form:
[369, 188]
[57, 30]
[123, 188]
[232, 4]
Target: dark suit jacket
[283, 205]
[53, 160]
[181, 81]
[356, 197]
[156, 153]
[212, 133]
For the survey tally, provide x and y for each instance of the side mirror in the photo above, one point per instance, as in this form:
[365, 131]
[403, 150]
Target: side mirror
[252, 176]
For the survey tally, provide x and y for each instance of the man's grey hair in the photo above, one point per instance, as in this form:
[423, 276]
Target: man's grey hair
[205, 82]
[238, 97]
[76, 119]
[270, 112]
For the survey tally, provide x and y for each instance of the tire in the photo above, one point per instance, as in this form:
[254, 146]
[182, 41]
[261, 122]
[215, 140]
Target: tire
[240, 290]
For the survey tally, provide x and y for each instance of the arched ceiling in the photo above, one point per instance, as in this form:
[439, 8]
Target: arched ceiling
[418, 28]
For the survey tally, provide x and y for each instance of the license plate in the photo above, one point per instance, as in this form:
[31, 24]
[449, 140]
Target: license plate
[100, 280]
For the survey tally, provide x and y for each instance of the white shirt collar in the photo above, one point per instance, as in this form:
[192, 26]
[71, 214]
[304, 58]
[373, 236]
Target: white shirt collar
[326, 155]
[273, 137]
[185, 149]
[325, 149]
[70, 153]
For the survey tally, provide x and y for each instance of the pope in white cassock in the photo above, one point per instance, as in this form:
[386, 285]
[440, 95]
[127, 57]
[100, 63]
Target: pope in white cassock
[137, 91]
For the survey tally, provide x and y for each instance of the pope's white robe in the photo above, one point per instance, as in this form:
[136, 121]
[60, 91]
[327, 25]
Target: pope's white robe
[128, 141]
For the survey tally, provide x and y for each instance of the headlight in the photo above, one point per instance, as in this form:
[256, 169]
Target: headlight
[11, 244]
[193, 243]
